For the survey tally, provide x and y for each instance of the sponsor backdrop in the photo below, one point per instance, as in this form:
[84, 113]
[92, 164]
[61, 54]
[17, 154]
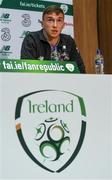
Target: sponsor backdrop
[49, 130]
[18, 17]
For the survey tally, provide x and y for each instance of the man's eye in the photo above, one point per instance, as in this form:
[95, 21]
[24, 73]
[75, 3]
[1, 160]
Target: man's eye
[50, 20]
[53, 21]
[59, 20]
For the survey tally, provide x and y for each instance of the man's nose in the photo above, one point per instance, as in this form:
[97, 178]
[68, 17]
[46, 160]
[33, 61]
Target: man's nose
[55, 23]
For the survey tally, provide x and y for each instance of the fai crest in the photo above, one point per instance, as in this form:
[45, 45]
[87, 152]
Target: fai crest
[51, 126]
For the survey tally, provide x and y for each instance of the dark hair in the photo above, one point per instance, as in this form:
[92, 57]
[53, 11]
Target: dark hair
[52, 9]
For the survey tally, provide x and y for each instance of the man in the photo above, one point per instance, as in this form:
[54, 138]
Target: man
[49, 43]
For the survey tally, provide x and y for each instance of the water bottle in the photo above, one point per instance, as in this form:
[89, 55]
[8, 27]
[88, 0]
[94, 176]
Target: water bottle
[99, 63]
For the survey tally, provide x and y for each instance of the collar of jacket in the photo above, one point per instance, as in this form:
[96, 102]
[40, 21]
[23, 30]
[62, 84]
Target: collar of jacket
[42, 37]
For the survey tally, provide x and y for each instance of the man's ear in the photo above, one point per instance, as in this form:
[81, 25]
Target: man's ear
[41, 22]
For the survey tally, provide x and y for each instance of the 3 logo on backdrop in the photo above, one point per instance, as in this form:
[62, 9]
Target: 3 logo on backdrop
[26, 22]
[51, 127]
[5, 19]
[6, 36]
[5, 50]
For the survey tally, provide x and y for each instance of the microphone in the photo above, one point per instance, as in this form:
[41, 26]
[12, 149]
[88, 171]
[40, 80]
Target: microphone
[64, 56]
[59, 53]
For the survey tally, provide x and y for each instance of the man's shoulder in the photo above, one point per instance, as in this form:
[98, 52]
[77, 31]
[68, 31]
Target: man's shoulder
[34, 33]
[66, 38]
[37, 35]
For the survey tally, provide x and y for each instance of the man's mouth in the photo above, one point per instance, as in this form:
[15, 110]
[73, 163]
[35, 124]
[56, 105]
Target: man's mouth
[54, 31]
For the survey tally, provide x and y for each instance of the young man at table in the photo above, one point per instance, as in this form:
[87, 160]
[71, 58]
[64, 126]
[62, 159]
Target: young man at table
[49, 43]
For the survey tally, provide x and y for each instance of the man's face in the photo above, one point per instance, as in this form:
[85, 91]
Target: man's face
[53, 24]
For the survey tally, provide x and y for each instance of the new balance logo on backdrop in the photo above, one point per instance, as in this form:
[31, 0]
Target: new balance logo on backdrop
[5, 18]
[24, 33]
[51, 127]
[5, 51]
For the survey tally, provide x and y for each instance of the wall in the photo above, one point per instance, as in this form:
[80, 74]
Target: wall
[93, 28]
[85, 20]
[105, 32]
